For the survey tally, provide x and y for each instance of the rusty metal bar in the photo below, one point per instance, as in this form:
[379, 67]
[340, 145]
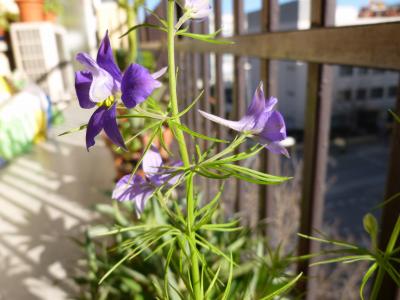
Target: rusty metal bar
[239, 101]
[332, 45]
[316, 146]
[268, 74]
[219, 82]
[391, 211]
[205, 72]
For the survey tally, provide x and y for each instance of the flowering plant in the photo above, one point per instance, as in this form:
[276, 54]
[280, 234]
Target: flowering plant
[185, 235]
[102, 84]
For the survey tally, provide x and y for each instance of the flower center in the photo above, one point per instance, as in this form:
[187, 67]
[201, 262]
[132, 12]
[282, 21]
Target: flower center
[108, 102]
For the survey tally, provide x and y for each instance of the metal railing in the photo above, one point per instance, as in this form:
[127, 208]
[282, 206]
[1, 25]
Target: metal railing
[376, 46]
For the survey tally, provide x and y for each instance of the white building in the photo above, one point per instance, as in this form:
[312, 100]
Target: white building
[361, 97]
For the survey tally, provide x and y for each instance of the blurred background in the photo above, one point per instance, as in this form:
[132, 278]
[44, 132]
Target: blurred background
[50, 183]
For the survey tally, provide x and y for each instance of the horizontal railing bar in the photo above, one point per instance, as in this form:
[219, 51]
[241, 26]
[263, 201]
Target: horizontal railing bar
[376, 46]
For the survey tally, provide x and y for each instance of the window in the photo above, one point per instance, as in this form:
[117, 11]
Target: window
[345, 71]
[392, 91]
[362, 71]
[344, 95]
[378, 71]
[377, 92]
[361, 94]
[290, 93]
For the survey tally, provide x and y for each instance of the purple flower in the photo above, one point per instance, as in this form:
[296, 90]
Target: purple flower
[138, 190]
[197, 9]
[261, 120]
[99, 85]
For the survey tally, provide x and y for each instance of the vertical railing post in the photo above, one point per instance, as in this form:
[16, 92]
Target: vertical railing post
[219, 82]
[239, 101]
[268, 74]
[391, 211]
[205, 101]
[316, 147]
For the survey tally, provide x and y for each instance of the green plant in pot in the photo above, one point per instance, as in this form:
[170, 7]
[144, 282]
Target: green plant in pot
[52, 9]
[7, 16]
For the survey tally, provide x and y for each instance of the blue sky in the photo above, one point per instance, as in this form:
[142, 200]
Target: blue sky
[256, 4]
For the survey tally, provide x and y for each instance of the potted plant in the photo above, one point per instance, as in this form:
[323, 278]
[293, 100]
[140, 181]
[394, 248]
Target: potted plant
[8, 14]
[52, 9]
[30, 10]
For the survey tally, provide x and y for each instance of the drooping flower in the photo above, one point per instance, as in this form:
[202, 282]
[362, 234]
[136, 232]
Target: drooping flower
[101, 83]
[261, 120]
[197, 9]
[137, 189]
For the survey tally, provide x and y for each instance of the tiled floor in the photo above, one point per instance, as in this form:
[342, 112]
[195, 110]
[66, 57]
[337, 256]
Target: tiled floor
[45, 199]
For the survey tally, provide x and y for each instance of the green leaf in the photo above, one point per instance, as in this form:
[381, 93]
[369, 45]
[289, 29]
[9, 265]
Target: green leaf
[249, 175]
[162, 21]
[208, 38]
[214, 280]
[344, 259]
[196, 134]
[229, 284]
[190, 106]
[283, 289]
[212, 203]
[395, 116]
[207, 245]
[393, 237]
[333, 242]
[366, 277]
[145, 25]
[74, 130]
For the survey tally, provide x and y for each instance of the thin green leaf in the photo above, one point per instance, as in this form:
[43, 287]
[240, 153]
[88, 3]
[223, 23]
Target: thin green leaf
[395, 116]
[349, 258]
[162, 21]
[386, 202]
[143, 25]
[190, 106]
[120, 262]
[333, 242]
[168, 261]
[213, 202]
[74, 130]
[196, 134]
[205, 38]
[283, 289]
[366, 277]
[229, 284]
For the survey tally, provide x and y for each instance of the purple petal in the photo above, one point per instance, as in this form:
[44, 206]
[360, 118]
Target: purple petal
[95, 125]
[270, 103]
[200, 9]
[170, 179]
[83, 80]
[111, 127]
[240, 125]
[105, 58]
[159, 73]
[103, 84]
[135, 189]
[275, 128]
[277, 149]
[137, 84]
[151, 164]
[257, 105]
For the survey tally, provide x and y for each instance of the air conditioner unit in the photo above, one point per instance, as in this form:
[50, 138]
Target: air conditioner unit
[40, 51]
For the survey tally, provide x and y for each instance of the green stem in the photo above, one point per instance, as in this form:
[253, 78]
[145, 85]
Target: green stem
[198, 294]
[389, 249]
[377, 284]
[131, 13]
